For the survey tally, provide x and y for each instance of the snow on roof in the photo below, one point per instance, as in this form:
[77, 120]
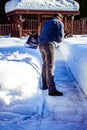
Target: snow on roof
[69, 5]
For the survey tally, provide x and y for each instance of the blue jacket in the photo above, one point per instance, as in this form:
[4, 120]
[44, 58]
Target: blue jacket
[52, 31]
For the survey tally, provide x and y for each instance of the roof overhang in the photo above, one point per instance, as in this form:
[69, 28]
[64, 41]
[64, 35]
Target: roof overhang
[40, 12]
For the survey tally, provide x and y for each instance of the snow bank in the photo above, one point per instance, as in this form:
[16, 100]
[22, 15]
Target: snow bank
[75, 52]
[20, 70]
[42, 5]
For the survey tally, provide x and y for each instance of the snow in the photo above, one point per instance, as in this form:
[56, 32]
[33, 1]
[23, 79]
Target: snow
[23, 105]
[75, 52]
[19, 73]
[69, 5]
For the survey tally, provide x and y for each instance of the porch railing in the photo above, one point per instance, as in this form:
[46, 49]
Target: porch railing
[5, 29]
[79, 27]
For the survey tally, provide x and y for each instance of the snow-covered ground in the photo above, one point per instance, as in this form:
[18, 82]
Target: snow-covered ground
[42, 5]
[23, 105]
[20, 70]
[75, 52]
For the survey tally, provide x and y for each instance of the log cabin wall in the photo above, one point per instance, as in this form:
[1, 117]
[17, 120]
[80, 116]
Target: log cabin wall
[31, 21]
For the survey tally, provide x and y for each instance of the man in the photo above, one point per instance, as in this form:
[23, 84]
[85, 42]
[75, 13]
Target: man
[52, 33]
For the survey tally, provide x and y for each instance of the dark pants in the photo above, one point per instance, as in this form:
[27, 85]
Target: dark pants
[48, 57]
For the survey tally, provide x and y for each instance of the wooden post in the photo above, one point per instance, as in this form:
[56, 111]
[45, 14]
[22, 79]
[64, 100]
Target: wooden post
[39, 24]
[20, 31]
[72, 19]
[65, 23]
[20, 26]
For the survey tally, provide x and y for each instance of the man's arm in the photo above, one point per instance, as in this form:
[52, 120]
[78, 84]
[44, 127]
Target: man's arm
[60, 35]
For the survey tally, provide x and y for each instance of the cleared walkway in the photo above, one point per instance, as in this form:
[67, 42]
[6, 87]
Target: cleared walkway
[71, 113]
[68, 112]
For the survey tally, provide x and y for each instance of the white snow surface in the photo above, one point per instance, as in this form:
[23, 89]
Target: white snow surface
[23, 105]
[42, 5]
[20, 70]
[75, 52]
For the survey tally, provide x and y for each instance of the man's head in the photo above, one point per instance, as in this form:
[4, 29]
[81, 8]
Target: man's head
[59, 16]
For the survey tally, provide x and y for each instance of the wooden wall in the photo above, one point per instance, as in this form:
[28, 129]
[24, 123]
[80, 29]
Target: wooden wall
[79, 27]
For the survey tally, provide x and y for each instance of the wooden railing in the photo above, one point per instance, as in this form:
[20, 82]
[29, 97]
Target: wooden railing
[79, 27]
[5, 29]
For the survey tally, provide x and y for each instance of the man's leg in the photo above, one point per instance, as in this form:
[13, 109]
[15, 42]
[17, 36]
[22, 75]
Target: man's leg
[44, 82]
[47, 52]
[50, 65]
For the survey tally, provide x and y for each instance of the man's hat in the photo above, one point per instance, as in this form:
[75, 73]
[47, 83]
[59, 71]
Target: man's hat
[58, 15]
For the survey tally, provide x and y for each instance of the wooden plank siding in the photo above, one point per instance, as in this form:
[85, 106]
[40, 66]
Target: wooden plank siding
[84, 26]
[5, 29]
[79, 26]
[31, 26]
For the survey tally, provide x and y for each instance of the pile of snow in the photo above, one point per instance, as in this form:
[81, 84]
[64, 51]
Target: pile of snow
[75, 52]
[20, 70]
[42, 5]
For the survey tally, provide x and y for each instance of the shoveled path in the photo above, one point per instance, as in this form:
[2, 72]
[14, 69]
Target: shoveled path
[68, 112]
